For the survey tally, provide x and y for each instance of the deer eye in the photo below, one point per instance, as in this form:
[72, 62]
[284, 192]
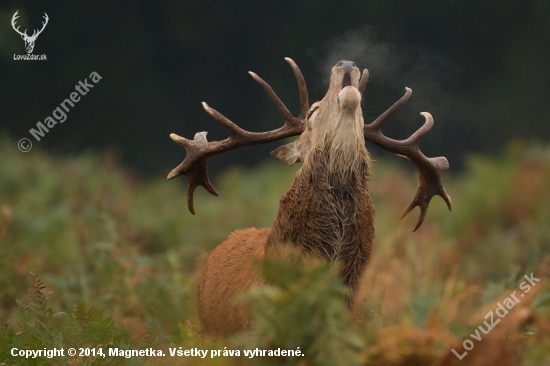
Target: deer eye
[312, 111]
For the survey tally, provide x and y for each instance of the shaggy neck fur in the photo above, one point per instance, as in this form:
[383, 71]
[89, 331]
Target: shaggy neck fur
[328, 212]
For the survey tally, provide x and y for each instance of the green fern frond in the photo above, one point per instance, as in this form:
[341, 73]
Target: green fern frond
[151, 335]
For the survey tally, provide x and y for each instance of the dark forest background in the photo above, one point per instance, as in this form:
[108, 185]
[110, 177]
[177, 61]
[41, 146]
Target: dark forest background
[480, 68]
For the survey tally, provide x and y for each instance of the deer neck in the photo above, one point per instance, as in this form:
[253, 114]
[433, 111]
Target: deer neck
[327, 211]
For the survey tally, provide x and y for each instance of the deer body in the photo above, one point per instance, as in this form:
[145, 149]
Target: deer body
[327, 213]
[231, 268]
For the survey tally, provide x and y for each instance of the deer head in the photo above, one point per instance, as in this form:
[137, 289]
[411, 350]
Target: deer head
[29, 40]
[336, 119]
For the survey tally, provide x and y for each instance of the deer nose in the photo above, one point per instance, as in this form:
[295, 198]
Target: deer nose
[346, 66]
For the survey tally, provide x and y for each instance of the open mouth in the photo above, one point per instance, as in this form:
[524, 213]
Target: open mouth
[345, 82]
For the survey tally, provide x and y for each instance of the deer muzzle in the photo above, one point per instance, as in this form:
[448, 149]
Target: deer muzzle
[348, 95]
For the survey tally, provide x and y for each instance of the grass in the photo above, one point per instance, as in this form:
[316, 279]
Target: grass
[113, 261]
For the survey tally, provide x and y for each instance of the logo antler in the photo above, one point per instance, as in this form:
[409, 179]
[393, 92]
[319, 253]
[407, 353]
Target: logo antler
[29, 41]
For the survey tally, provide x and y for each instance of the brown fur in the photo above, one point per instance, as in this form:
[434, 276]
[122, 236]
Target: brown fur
[327, 213]
[223, 277]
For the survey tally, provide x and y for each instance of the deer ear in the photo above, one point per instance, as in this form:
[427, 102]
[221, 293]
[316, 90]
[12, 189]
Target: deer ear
[288, 154]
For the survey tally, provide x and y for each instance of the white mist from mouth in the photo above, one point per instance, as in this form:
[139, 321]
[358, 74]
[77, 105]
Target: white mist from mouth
[395, 66]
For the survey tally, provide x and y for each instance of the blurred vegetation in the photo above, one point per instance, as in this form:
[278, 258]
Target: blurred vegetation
[113, 261]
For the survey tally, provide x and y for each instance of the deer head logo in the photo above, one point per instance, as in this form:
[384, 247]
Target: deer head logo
[29, 41]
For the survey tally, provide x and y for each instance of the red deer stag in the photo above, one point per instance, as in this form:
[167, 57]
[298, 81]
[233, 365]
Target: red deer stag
[327, 213]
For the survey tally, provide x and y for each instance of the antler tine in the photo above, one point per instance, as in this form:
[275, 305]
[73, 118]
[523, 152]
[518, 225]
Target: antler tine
[430, 169]
[387, 114]
[423, 197]
[13, 19]
[304, 100]
[422, 131]
[199, 150]
[232, 128]
[46, 18]
[426, 190]
[363, 82]
[195, 167]
[275, 99]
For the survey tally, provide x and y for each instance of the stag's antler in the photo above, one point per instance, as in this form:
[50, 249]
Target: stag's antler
[430, 169]
[363, 82]
[199, 150]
